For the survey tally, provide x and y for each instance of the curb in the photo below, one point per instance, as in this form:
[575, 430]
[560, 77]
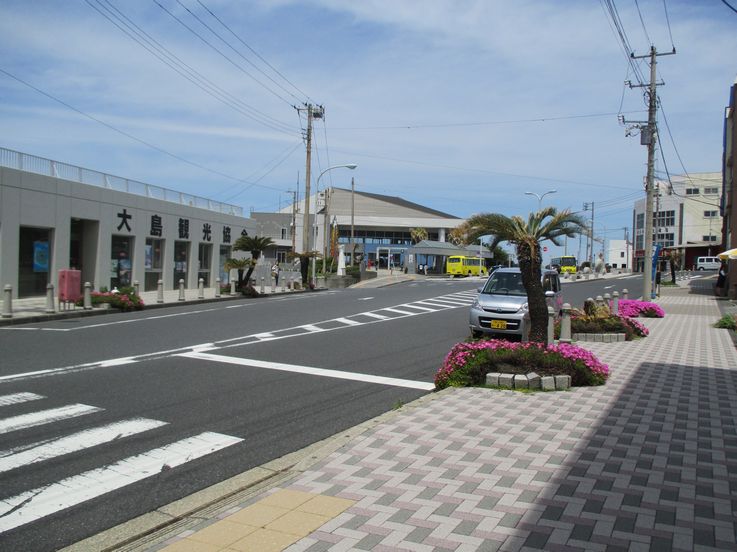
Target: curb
[142, 533]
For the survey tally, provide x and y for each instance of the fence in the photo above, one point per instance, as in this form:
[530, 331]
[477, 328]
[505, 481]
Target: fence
[39, 165]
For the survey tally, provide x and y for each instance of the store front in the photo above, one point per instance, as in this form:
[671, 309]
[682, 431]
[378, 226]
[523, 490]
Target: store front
[34, 260]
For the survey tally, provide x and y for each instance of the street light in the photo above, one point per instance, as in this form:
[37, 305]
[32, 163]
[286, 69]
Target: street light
[540, 197]
[350, 166]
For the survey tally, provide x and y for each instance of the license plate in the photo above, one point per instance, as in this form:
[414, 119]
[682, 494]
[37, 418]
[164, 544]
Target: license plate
[499, 324]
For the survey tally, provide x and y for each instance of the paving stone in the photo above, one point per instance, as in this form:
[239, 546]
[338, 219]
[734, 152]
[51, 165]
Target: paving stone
[533, 380]
[547, 383]
[492, 378]
[506, 381]
[562, 382]
[521, 382]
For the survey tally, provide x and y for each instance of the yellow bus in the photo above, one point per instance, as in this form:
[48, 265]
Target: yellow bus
[565, 264]
[460, 265]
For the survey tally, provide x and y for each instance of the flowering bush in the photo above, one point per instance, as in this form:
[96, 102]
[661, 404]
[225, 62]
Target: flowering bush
[632, 308]
[610, 323]
[126, 299]
[468, 363]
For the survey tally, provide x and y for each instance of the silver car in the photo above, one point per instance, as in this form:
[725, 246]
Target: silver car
[501, 305]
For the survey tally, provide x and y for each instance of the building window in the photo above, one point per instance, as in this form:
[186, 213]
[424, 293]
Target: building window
[284, 235]
[153, 263]
[692, 191]
[664, 239]
[665, 218]
[121, 263]
[204, 259]
[711, 214]
[711, 191]
[640, 220]
[181, 258]
[709, 238]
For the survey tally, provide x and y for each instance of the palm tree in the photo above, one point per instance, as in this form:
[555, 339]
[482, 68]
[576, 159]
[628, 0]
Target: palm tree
[417, 234]
[545, 224]
[239, 265]
[255, 245]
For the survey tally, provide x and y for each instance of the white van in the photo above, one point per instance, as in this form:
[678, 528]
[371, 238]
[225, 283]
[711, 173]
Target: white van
[708, 263]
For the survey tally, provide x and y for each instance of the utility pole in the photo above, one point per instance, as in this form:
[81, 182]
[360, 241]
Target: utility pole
[590, 236]
[648, 137]
[294, 221]
[353, 214]
[313, 112]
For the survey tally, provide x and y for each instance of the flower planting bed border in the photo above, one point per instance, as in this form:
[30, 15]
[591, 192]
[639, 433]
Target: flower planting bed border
[528, 381]
[599, 337]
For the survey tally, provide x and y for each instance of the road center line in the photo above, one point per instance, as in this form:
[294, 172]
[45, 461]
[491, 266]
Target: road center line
[323, 372]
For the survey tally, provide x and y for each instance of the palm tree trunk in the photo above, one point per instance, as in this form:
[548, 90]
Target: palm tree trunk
[529, 265]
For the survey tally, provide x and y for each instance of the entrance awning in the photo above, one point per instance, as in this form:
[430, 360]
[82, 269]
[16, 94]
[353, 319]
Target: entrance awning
[729, 254]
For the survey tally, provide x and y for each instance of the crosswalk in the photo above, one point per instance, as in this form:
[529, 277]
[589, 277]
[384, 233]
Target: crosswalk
[37, 503]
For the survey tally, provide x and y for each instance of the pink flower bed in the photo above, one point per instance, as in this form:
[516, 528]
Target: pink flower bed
[632, 308]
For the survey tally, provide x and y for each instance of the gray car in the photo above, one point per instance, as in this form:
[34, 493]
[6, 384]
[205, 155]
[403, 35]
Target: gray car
[501, 305]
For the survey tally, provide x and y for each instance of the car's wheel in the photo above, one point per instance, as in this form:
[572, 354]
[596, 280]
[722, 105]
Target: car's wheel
[476, 334]
[700, 268]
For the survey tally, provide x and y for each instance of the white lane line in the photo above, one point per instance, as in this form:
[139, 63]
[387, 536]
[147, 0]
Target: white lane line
[312, 328]
[17, 398]
[43, 501]
[51, 415]
[45, 450]
[397, 311]
[348, 322]
[353, 376]
[374, 315]
[416, 306]
[117, 362]
[365, 298]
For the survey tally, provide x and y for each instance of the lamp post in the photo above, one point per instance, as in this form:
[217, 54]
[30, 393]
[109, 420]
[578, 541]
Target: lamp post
[350, 166]
[540, 197]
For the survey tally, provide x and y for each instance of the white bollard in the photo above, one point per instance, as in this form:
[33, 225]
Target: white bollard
[87, 296]
[137, 287]
[273, 285]
[201, 288]
[565, 324]
[625, 293]
[50, 298]
[181, 290]
[232, 287]
[7, 301]
[599, 300]
[262, 284]
[608, 300]
[551, 326]
[217, 287]
[160, 291]
[615, 307]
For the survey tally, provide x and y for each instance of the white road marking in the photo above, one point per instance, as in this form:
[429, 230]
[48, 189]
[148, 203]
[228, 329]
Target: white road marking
[374, 315]
[17, 398]
[418, 307]
[353, 376]
[365, 298]
[311, 328]
[405, 313]
[348, 322]
[38, 452]
[51, 415]
[117, 362]
[43, 501]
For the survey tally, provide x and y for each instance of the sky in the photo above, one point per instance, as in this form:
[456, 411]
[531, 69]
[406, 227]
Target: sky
[458, 105]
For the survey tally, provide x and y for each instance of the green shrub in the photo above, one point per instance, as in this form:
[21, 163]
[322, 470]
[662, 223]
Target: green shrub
[728, 321]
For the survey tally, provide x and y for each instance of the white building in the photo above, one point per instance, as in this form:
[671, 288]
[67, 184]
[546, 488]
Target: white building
[619, 254]
[686, 216]
[55, 216]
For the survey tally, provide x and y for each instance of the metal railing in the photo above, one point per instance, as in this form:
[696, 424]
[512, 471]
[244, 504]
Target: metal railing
[39, 165]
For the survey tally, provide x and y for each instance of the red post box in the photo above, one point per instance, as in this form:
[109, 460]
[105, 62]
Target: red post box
[70, 285]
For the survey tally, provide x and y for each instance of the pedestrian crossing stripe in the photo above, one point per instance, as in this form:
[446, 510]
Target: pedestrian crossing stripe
[41, 502]
[17, 398]
[24, 421]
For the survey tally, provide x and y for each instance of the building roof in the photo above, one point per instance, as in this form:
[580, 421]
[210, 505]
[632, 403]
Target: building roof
[399, 202]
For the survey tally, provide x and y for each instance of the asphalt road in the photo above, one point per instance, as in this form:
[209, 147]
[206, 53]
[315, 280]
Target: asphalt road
[105, 419]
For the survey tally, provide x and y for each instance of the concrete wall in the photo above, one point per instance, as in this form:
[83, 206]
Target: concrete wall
[32, 200]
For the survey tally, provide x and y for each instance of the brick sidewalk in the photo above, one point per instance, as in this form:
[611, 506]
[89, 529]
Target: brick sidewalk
[646, 462]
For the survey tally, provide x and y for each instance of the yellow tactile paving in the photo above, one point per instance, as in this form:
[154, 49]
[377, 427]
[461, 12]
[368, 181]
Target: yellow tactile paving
[298, 523]
[222, 533]
[329, 506]
[270, 525]
[264, 540]
[257, 515]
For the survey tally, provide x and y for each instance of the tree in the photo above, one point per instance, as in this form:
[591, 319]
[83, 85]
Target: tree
[545, 224]
[255, 245]
[417, 235]
[498, 255]
[239, 265]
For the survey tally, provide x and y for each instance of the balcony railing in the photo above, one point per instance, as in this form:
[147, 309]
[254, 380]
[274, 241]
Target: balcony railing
[39, 165]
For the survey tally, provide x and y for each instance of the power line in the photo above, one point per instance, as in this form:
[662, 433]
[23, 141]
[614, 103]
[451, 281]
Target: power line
[132, 137]
[155, 48]
[254, 51]
[667, 20]
[274, 165]
[642, 21]
[730, 7]
[237, 52]
[208, 43]
[485, 123]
